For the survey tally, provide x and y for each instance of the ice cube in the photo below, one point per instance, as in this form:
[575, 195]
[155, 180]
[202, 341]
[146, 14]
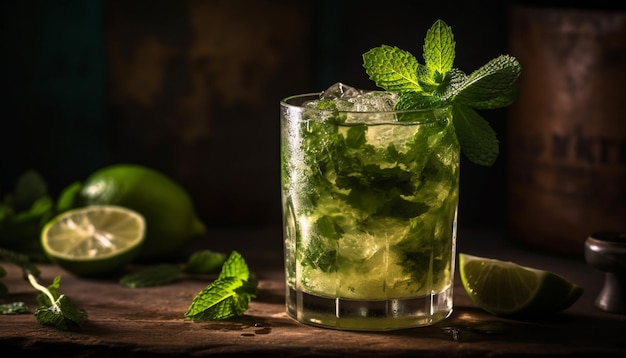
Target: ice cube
[340, 91]
[353, 99]
[358, 246]
[375, 101]
[343, 96]
[384, 135]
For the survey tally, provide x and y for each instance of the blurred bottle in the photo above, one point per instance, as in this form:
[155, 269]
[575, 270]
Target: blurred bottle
[566, 140]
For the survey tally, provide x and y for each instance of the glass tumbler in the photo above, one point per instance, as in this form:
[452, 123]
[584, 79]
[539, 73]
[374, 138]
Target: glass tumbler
[369, 214]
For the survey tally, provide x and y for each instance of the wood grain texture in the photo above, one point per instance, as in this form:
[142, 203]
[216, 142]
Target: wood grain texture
[148, 322]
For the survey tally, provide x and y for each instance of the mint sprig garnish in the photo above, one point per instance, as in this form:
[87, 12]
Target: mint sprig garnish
[437, 83]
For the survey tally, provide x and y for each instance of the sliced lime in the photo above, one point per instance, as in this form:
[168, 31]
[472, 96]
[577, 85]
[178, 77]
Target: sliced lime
[95, 240]
[507, 289]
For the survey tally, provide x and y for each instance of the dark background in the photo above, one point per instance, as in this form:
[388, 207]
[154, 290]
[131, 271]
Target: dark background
[192, 88]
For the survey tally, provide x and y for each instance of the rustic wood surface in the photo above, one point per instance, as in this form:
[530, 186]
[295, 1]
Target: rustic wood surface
[148, 322]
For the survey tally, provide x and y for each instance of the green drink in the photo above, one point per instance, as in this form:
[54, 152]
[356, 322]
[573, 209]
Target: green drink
[370, 208]
[370, 185]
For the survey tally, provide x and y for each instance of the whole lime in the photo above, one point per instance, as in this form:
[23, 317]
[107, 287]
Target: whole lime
[171, 219]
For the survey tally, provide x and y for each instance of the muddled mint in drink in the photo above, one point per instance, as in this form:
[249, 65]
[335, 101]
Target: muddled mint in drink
[373, 196]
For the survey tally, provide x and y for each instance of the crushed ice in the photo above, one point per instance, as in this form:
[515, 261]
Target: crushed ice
[350, 99]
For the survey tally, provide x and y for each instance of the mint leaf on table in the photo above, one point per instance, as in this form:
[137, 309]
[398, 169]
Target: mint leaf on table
[157, 275]
[205, 262]
[13, 308]
[228, 296]
[437, 83]
[199, 263]
[224, 298]
[57, 310]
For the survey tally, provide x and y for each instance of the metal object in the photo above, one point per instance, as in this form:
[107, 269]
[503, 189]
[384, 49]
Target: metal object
[606, 251]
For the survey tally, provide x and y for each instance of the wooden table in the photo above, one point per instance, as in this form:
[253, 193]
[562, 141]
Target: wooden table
[148, 322]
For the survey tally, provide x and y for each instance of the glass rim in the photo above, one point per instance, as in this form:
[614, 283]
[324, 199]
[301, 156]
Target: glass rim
[285, 102]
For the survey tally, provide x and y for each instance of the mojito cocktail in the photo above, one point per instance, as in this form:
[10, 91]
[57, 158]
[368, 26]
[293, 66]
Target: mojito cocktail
[370, 185]
[370, 202]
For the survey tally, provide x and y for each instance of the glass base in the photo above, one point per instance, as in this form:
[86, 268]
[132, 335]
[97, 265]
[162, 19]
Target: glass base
[379, 315]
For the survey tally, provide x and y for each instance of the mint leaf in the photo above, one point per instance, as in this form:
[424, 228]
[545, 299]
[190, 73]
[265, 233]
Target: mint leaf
[416, 100]
[20, 260]
[151, 276]
[322, 253]
[56, 310]
[23, 213]
[13, 308]
[392, 69]
[29, 187]
[64, 315]
[205, 262]
[68, 198]
[491, 86]
[454, 81]
[224, 298]
[426, 249]
[505, 99]
[235, 266]
[477, 138]
[228, 296]
[439, 47]
[199, 263]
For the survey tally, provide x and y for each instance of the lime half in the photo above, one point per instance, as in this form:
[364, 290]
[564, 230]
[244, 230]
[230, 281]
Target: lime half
[505, 288]
[95, 240]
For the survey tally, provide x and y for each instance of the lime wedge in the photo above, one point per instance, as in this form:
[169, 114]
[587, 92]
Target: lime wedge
[95, 240]
[505, 288]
